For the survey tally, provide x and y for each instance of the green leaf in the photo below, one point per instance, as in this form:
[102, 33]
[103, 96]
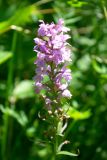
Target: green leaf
[104, 76]
[96, 67]
[46, 79]
[59, 129]
[86, 41]
[30, 131]
[72, 20]
[77, 115]
[4, 56]
[84, 62]
[20, 17]
[67, 153]
[20, 117]
[24, 90]
[76, 3]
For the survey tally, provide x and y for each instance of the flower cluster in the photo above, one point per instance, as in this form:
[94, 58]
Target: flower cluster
[53, 56]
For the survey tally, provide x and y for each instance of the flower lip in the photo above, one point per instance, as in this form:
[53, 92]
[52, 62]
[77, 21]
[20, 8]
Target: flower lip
[66, 93]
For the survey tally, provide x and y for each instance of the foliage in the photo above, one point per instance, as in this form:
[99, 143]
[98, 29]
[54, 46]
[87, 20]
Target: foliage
[22, 131]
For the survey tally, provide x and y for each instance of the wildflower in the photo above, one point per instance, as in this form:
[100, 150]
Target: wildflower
[53, 56]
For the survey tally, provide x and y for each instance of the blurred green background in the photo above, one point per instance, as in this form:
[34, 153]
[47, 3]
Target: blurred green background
[21, 131]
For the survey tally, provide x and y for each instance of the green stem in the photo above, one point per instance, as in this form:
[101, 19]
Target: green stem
[4, 138]
[54, 149]
[11, 66]
[55, 143]
[7, 122]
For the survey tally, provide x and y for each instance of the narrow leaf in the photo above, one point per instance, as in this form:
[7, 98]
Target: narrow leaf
[4, 56]
[67, 153]
[20, 117]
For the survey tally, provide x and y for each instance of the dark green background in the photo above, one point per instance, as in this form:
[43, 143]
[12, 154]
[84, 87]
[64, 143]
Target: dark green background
[21, 131]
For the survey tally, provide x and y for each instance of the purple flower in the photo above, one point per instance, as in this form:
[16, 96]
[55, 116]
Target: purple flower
[66, 93]
[53, 56]
[63, 86]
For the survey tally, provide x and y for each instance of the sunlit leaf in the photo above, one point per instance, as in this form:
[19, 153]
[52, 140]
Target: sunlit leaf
[104, 76]
[100, 68]
[4, 56]
[20, 17]
[77, 115]
[76, 3]
[24, 90]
